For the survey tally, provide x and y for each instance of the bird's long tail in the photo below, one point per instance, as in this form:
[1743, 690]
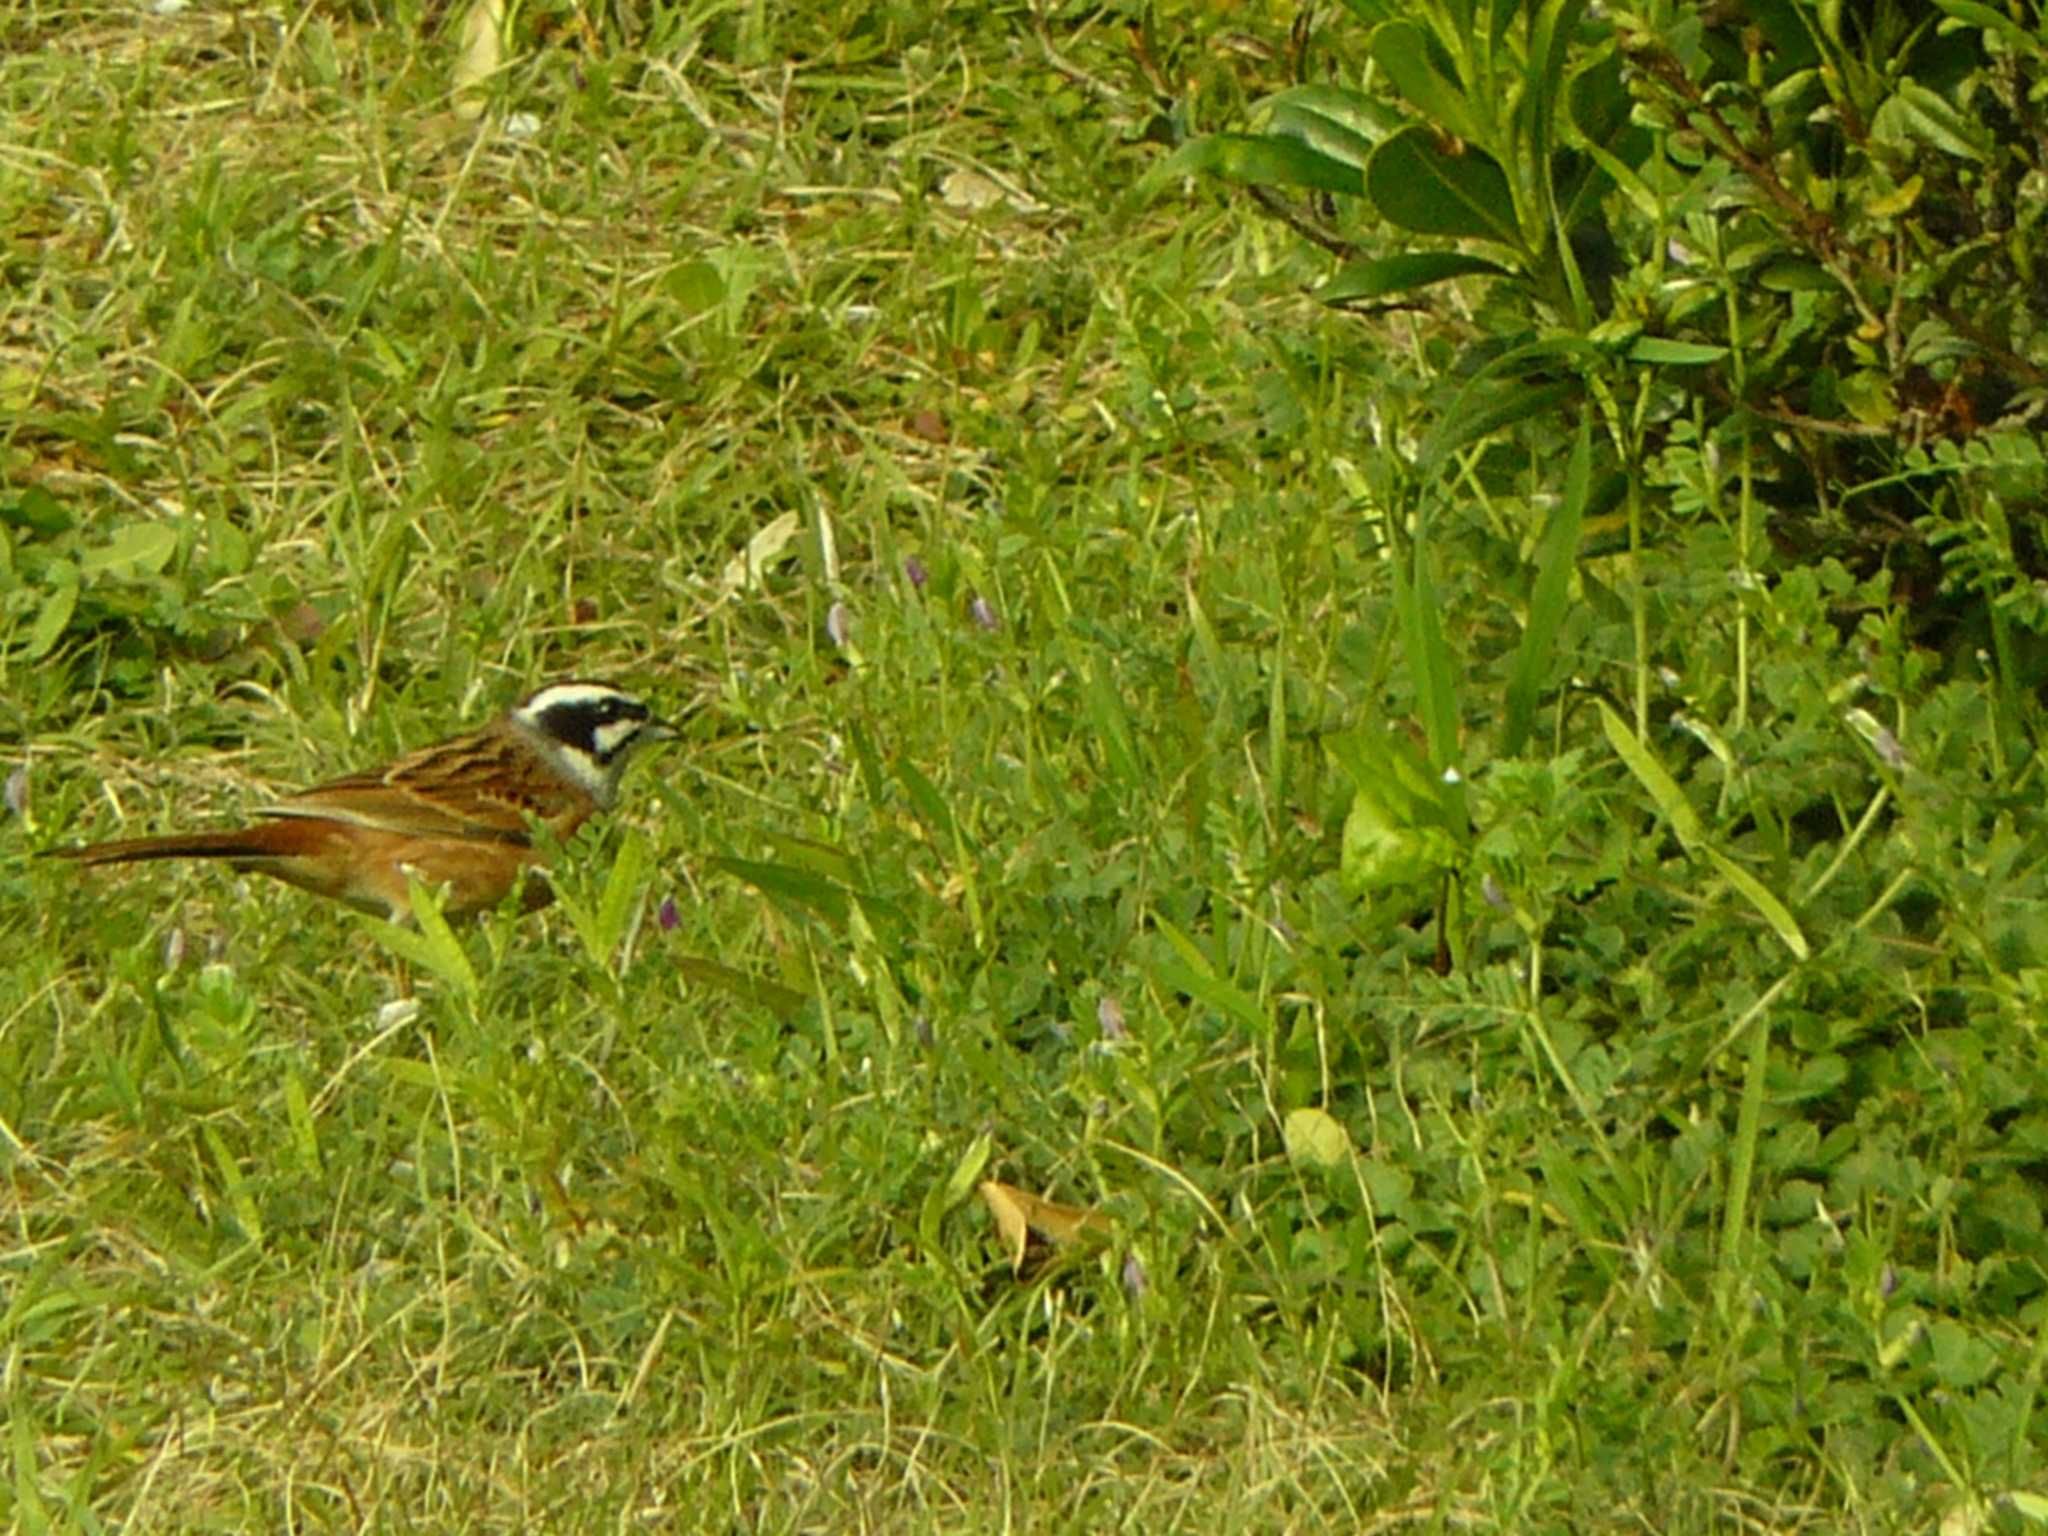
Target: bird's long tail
[229, 843]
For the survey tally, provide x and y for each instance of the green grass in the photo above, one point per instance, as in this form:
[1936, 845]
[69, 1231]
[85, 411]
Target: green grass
[674, 1226]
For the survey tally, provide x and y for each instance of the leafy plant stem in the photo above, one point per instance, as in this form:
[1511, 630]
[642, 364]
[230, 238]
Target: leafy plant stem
[1885, 898]
[2005, 695]
[1639, 608]
[1957, 1477]
[828, 1021]
[1849, 845]
[1627, 439]
[2032, 1385]
[1735, 1030]
[1745, 536]
[1734, 1263]
[443, 1100]
[1534, 1015]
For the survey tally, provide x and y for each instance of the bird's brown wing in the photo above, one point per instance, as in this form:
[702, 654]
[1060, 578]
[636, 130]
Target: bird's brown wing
[483, 786]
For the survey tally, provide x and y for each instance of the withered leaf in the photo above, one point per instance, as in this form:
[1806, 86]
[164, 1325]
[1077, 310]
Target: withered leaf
[1019, 1214]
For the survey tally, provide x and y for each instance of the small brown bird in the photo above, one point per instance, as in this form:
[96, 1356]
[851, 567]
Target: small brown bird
[455, 815]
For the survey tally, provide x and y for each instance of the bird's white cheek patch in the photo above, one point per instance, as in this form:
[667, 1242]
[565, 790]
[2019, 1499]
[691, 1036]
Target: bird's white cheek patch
[612, 735]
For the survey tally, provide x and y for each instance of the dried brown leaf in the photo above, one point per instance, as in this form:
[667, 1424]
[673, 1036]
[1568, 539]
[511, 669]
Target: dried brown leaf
[1019, 1214]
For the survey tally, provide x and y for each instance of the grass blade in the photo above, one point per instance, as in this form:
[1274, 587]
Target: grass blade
[1656, 778]
[1556, 556]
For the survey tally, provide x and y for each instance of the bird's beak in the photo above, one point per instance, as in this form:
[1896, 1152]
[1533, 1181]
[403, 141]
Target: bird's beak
[668, 730]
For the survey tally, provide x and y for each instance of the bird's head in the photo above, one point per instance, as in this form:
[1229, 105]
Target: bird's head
[590, 729]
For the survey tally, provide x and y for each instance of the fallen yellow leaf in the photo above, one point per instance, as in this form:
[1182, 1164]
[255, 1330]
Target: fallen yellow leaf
[1019, 1213]
[480, 55]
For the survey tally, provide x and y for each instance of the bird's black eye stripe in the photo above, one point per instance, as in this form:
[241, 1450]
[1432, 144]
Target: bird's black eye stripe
[578, 722]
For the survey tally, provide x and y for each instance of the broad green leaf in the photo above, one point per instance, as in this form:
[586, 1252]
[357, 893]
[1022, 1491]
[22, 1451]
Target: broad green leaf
[1356, 118]
[1401, 48]
[1295, 117]
[784, 1002]
[1399, 826]
[1992, 19]
[59, 603]
[1616, 334]
[820, 858]
[624, 888]
[1657, 349]
[1194, 975]
[38, 511]
[1259, 160]
[1913, 112]
[1381, 855]
[1315, 1136]
[1564, 1187]
[1799, 91]
[228, 548]
[788, 886]
[696, 287]
[1423, 186]
[1403, 274]
[19, 386]
[1648, 203]
[2032, 1505]
[1867, 395]
[1961, 1357]
[1385, 769]
[1795, 276]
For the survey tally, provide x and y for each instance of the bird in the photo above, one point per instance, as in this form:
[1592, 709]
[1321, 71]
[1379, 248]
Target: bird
[457, 815]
